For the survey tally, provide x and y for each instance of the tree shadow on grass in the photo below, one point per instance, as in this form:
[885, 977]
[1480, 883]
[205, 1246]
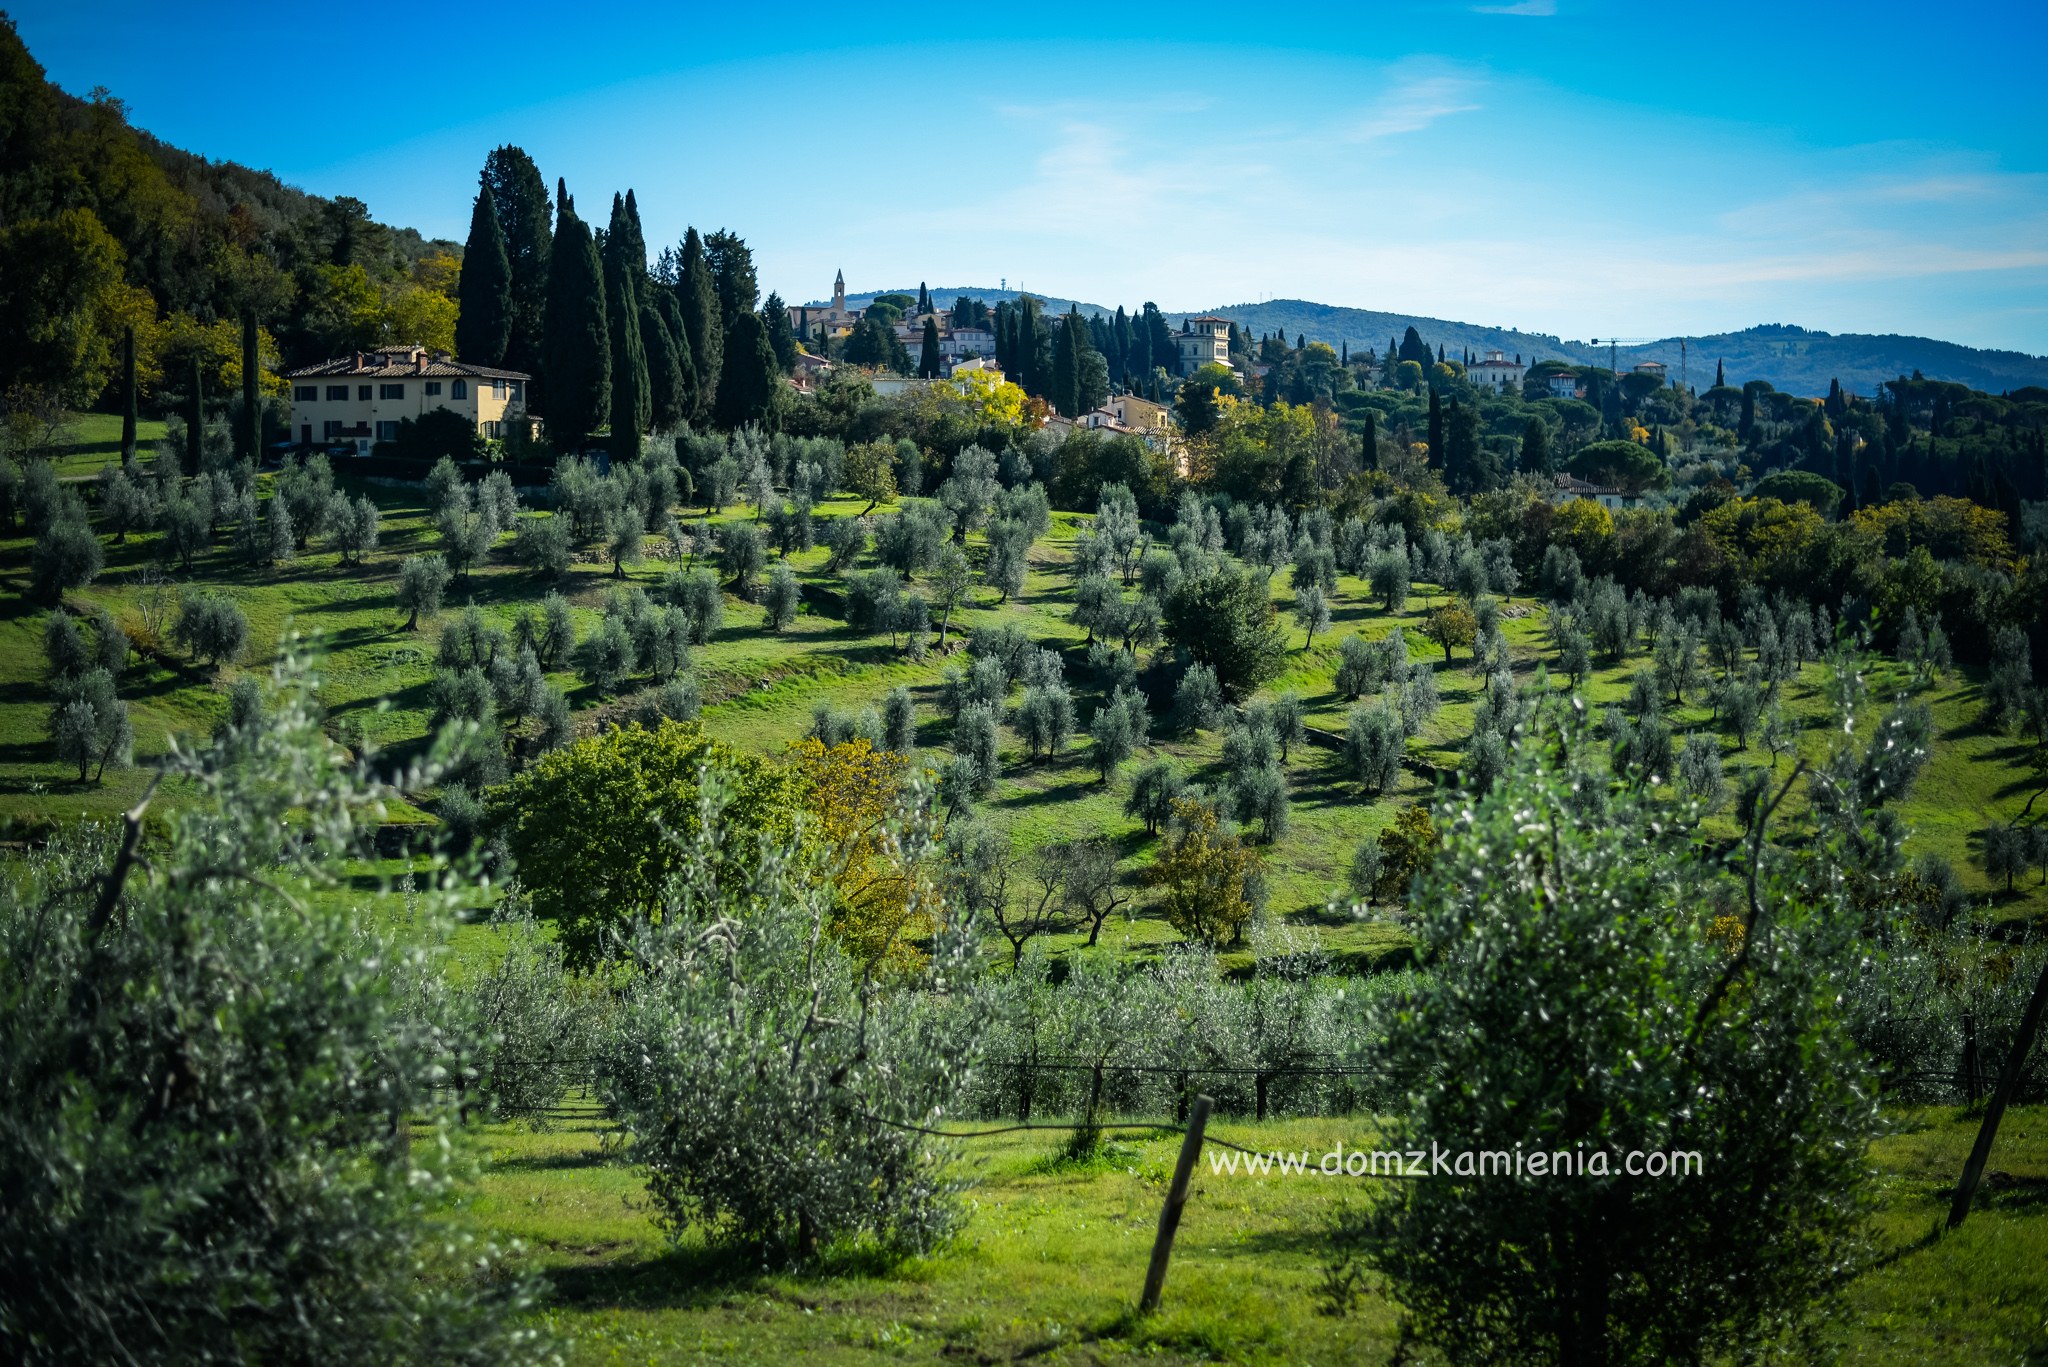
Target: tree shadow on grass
[700, 1277]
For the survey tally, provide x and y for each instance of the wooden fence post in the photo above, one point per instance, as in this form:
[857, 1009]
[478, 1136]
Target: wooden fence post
[1176, 1198]
[2008, 1085]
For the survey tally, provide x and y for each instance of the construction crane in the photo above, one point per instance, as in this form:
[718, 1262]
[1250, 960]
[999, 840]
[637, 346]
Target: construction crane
[1613, 342]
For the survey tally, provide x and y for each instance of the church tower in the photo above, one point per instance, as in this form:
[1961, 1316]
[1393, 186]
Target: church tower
[839, 292]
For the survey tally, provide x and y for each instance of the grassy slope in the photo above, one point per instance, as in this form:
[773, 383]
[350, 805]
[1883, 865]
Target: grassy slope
[760, 689]
[1050, 1261]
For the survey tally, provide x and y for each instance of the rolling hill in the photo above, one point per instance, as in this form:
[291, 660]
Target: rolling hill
[1791, 358]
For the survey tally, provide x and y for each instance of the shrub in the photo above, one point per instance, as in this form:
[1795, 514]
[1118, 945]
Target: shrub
[767, 1083]
[588, 824]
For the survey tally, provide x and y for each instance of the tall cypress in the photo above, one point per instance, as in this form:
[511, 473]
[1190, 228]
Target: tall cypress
[781, 340]
[1068, 345]
[747, 380]
[1436, 428]
[625, 261]
[1120, 354]
[670, 307]
[924, 299]
[195, 420]
[484, 290]
[520, 196]
[249, 431]
[665, 389]
[127, 394]
[702, 326]
[928, 358]
[577, 355]
[1720, 375]
[1369, 441]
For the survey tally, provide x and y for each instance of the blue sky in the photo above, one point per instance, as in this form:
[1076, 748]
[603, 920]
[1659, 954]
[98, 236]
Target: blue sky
[1571, 166]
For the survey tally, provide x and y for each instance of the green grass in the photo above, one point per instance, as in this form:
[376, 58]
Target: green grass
[1050, 1261]
[92, 440]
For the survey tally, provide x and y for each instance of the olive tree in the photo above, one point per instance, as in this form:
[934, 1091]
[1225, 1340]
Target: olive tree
[254, 1161]
[1602, 987]
[773, 1089]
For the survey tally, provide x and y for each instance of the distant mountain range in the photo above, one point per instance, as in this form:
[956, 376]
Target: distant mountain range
[1791, 358]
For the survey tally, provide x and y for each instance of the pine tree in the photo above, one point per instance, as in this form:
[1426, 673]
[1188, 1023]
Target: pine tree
[127, 395]
[525, 224]
[483, 324]
[577, 351]
[703, 327]
[928, 358]
[249, 432]
[746, 384]
[781, 341]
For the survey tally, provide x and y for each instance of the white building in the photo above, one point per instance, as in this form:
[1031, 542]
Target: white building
[1202, 341]
[1570, 487]
[1497, 373]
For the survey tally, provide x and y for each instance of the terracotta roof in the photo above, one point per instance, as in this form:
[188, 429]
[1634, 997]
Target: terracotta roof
[397, 363]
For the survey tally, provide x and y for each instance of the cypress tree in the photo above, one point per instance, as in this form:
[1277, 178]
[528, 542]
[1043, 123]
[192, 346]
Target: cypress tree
[670, 307]
[1369, 443]
[1138, 356]
[520, 196]
[746, 383]
[666, 393]
[781, 341]
[624, 264]
[1065, 389]
[483, 324]
[1720, 375]
[732, 275]
[635, 246]
[924, 299]
[1344, 353]
[1436, 429]
[127, 394]
[577, 356]
[702, 326]
[928, 358]
[250, 430]
[1120, 356]
[195, 420]
[1536, 447]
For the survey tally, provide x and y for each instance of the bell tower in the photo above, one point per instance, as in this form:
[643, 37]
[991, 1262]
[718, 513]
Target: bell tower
[839, 292]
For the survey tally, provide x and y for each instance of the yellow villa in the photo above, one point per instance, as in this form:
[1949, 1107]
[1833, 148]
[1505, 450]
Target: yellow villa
[359, 400]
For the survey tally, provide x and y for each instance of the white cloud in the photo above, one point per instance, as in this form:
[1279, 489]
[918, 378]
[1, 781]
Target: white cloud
[1531, 9]
[1414, 105]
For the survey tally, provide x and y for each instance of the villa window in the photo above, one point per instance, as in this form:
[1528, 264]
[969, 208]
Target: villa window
[459, 389]
[387, 431]
[337, 393]
[305, 393]
[364, 391]
[390, 391]
[433, 389]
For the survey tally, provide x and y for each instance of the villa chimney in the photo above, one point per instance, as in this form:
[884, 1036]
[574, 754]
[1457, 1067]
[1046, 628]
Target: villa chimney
[419, 363]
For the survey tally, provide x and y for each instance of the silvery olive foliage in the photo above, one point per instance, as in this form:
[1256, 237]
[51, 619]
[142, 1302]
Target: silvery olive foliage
[220, 1138]
[773, 1090]
[1604, 983]
[515, 1029]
